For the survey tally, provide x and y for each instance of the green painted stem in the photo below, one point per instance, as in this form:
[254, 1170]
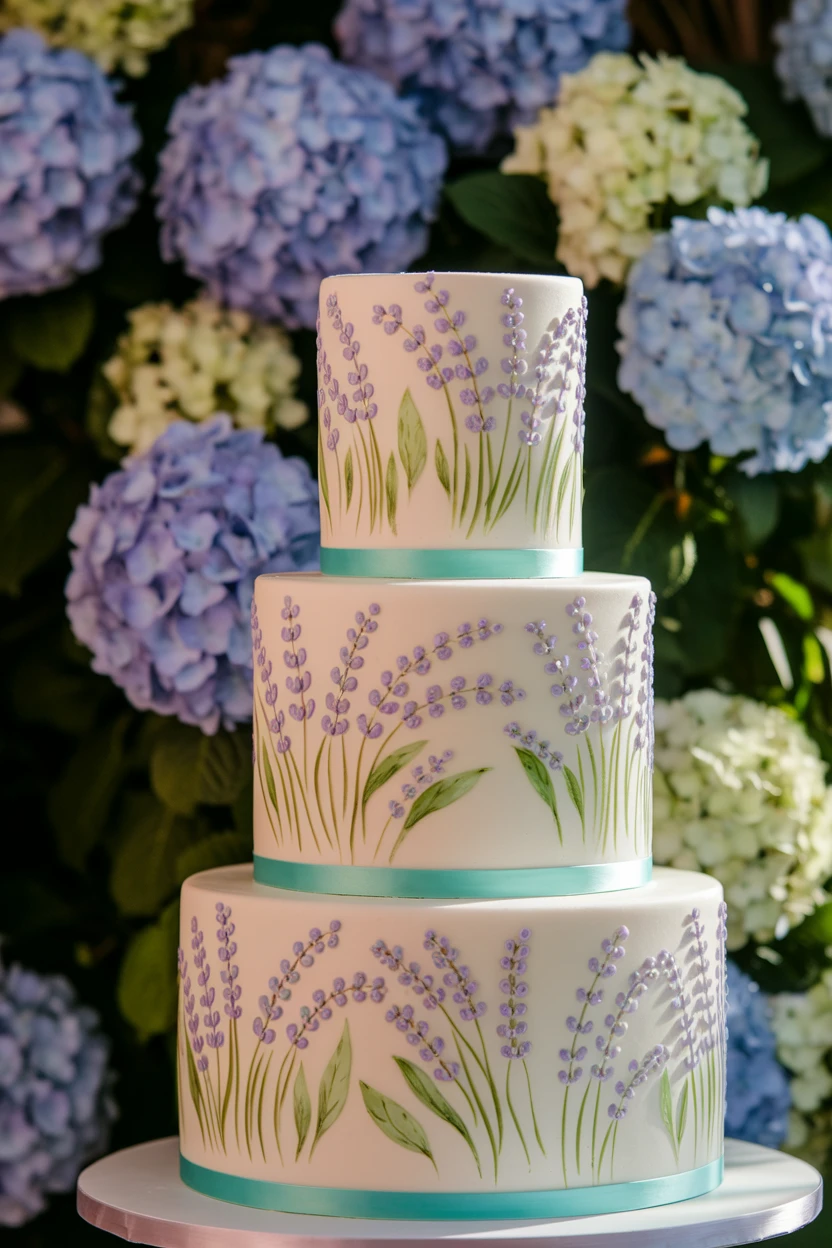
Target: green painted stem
[513, 1113]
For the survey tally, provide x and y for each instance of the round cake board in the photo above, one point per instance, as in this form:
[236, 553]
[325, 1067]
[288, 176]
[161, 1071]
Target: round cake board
[138, 1195]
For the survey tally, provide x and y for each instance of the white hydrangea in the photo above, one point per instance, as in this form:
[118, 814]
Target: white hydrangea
[627, 136]
[740, 792]
[802, 1024]
[115, 33]
[195, 361]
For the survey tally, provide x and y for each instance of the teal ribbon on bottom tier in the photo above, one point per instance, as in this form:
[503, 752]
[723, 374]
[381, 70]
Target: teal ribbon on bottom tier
[345, 881]
[340, 1202]
[402, 563]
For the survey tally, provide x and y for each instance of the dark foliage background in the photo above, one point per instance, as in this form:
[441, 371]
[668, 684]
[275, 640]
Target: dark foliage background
[106, 809]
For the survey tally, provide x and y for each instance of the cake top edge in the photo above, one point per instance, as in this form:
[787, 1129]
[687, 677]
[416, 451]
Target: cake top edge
[552, 278]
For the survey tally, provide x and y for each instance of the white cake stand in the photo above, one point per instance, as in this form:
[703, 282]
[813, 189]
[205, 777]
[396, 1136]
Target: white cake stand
[137, 1194]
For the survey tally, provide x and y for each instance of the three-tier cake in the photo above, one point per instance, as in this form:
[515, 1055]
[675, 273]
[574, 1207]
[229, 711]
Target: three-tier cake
[452, 985]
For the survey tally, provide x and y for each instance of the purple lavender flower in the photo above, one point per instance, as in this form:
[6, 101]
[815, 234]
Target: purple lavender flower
[421, 777]
[189, 1001]
[646, 734]
[281, 986]
[461, 347]
[680, 1002]
[541, 749]
[414, 341]
[560, 358]
[601, 969]
[514, 963]
[639, 1072]
[616, 1023]
[321, 1010]
[703, 1002]
[200, 955]
[513, 365]
[578, 416]
[626, 664]
[343, 678]
[457, 977]
[358, 374]
[410, 974]
[230, 971]
[430, 1047]
[263, 665]
[602, 711]
[295, 658]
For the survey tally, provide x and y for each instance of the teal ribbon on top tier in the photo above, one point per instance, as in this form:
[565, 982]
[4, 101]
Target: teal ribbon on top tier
[469, 564]
[346, 881]
[342, 1202]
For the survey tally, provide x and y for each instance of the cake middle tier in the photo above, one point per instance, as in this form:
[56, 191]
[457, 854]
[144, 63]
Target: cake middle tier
[477, 726]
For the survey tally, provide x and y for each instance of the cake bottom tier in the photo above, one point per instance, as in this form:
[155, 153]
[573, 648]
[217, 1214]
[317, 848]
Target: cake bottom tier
[417, 1058]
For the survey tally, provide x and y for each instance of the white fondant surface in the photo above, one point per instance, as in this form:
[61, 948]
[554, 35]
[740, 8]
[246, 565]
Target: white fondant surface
[137, 1194]
[404, 425]
[440, 668]
[359, 1105]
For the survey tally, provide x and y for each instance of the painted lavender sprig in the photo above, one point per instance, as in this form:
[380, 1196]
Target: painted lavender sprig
[431, 1048]
[329, 389]
[580, 1026]
[359, 411]
[311, 1017]
[232, 992]
[639, 1072]
[197, 1060]
[514, 1030]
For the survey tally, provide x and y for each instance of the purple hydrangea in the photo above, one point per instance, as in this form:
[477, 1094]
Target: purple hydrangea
[166, 552]
[291, 168]
[55, 1101]
[727, 337]
[478, 67]
[65, 173]
[758, 1098]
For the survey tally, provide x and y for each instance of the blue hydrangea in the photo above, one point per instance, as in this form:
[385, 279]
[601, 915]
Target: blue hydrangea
[479, 67]
[804, 58]
[166, 552]
[727, 337]
[65, 173]
[291, 168]
[758, 1097]
[55, 1101]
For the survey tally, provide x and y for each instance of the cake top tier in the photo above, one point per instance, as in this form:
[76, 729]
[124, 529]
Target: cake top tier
[451, 421]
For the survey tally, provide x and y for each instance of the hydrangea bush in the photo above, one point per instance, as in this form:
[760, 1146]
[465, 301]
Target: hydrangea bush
[115, 33]
[804, 58]
[758, 1096]
[56, 1105]
[740, 792]
[291, 168]
[164, 560]
[803, 1026]
[65, 174]
[192, 362]
[478, 67]
[625, 137]
[726, 337]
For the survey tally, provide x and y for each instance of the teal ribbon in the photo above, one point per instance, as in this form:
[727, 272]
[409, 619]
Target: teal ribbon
[451, 565]
[308, 877]
[340, 1202]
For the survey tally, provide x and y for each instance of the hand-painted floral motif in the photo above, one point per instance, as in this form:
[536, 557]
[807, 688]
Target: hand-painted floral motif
[479, 463]
[479, 1079]
[312, 786]
[610, 789]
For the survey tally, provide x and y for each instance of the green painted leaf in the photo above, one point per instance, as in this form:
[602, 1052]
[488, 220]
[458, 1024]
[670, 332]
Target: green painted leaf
[426, 1090]
[666, 1103]
[540, 779]
[682, 1113]
[443, 793]
[466, 489]
[387, 767]
[396, 1122]
[349, 477]
[392, 491]
[334, 1086]
[413, 442]
[323, 482]
[52, 330]
[270, 785]
[442, 470]
[573, 788]
[303, 1110]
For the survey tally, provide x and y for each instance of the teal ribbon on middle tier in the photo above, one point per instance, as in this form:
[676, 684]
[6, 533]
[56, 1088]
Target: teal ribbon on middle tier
[402, 563]
[349, 881]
